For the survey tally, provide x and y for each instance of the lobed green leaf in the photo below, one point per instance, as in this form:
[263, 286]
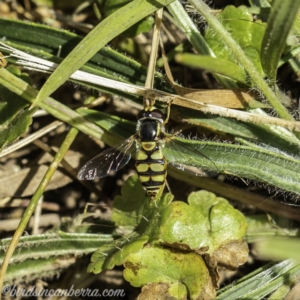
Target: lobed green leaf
[185, 274]
[207, 222]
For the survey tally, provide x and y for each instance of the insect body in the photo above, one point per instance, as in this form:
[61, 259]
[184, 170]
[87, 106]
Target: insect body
[148, 144]
[150, 162]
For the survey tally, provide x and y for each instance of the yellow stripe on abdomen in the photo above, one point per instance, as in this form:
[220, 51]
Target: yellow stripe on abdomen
[151, 167]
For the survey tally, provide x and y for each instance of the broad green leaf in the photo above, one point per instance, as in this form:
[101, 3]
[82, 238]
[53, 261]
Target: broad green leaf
[109, 28]
[279, 25]
[214, 65]
[133, 205]
[201, 226]
[134, 208]
[206, 222]
[247, 33]
[185, 274]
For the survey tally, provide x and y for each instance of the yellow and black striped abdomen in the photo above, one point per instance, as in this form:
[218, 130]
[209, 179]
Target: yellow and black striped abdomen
[151, 167]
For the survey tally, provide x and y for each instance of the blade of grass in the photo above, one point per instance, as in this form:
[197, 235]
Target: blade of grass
[53, 107]
[30, 38]
[259, 285]
[39, 256]
[192, 33]
[109, 28]
[62, 112]
[267, 288]
[188, 27]
[274, 136]
[51, 245]
[276, 248]
[30, 138]
[212, 64]
[282, 291]
[279, 24]
[37, 195]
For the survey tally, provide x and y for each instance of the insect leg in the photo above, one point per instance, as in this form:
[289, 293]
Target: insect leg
[168, 111]
[168, 187]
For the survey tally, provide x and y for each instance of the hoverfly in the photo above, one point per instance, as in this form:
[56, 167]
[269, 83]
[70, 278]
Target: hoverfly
[150, 158]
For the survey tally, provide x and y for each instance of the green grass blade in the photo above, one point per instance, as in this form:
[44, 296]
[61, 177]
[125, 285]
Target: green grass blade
[55, 108]
[279, 25]
[259, 285]
[265, 165]
[276, 248]
[45, 255]
[34, 201]
[55, 244]
[266, 289]
[273, 136]
[214, 65]
[109, 28]
[187, 26]
[30, 38]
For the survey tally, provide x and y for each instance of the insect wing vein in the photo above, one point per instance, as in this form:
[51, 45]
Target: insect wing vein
[108, 162]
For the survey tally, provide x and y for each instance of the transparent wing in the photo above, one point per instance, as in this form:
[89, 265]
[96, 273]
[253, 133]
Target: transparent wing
[108, 162]
[184, 156]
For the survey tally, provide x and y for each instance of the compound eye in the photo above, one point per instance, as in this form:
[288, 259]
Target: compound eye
[158, 114]
[141, 114]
